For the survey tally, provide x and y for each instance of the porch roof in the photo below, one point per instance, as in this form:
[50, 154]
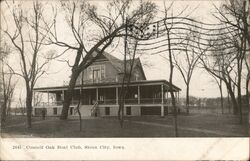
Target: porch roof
[110, 85]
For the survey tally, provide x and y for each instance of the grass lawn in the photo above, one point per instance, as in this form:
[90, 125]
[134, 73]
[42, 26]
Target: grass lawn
[193, 125]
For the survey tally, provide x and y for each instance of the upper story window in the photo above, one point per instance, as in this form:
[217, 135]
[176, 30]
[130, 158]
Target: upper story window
[136, 76]
[96, 73]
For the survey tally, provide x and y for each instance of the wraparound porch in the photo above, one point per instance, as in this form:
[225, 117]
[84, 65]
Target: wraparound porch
[140, 94]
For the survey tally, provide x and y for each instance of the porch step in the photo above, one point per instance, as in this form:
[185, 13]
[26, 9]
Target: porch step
[94, 110]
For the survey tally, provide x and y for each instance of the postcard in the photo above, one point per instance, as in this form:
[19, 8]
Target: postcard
[125, 80]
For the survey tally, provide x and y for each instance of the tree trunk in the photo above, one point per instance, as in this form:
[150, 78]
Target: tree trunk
[239, 66]
[187, 99]
[239, 98]
[121, 100]
[229, 102]
[123, 91]
[171, 85]
[175, 113]
[121, 114]
[233, 100]
[221, 97]
[247, 90]
[69, 94]
[79, 114]
[8, 106]
[3, 112]
[29, 107]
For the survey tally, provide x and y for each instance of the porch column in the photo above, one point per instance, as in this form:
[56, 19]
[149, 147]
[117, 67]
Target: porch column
[139, 95]
[178, 96]
[162, 101]
[96, 94]
[62, 95]
[167, 96]
[116, 95]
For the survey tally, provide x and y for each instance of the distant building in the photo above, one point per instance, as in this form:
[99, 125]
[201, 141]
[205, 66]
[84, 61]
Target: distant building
[100, 91]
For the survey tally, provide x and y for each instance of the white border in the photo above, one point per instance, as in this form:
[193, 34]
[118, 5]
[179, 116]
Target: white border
[134, 149]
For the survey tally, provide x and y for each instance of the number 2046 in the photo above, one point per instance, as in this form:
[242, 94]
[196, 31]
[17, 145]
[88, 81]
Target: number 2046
[17, 147]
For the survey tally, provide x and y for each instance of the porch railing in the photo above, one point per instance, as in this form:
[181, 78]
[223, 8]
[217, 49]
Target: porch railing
[54, 103]
[109, 102]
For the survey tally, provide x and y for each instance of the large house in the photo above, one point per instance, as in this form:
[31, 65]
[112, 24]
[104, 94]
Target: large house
[98, 89]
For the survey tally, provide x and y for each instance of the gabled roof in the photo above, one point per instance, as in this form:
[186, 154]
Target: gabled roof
[119, 65]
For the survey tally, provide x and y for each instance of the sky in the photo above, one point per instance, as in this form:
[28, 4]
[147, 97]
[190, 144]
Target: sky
[202, 84]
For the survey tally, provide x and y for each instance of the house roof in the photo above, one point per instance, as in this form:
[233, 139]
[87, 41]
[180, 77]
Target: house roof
[119, 65]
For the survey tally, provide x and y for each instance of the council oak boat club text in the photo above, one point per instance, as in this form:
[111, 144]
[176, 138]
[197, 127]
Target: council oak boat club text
[73, 147]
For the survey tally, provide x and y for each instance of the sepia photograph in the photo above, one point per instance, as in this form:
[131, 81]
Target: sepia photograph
[124, 69]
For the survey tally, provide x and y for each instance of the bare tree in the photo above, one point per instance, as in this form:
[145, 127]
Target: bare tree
[134, 32]
[219, 82]
[186, 61]
[26, 38]
[128, 67]
[8, 90]
[221, 65]
[247, 61]
[168, 27]
[7, 83]
[235, 14]
[81, 17]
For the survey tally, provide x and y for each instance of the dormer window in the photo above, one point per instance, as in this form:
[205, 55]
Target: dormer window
[96, 73]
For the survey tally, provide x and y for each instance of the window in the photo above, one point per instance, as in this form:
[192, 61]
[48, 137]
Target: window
[90, 73]
[101, 98]
[107, 110]
[96, 75]
[96, 72]
[136, 76]
[55, 111]
[128, 110]
[102, 71]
